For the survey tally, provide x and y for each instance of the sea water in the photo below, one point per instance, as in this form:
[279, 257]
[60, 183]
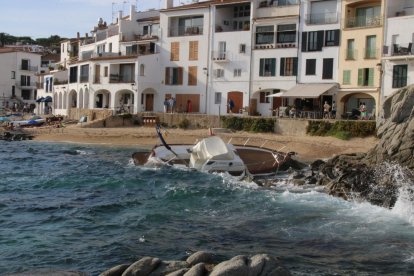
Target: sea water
[88, 208]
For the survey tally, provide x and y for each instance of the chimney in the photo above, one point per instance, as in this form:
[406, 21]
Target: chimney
[78, 35]
[168, 4]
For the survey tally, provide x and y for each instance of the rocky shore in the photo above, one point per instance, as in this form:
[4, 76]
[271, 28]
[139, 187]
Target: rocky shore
[378, 175]
[202, 264]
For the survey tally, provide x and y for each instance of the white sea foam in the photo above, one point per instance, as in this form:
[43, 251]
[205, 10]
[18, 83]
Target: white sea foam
[84, 152]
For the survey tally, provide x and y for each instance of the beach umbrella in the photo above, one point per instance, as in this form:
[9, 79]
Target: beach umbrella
[4, 119]
[48, 99]
[40, 100]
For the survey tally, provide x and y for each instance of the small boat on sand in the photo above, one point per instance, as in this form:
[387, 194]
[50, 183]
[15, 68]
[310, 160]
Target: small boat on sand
[212, 154]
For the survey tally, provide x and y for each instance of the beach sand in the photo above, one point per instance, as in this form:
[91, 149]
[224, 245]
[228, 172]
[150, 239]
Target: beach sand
[308, 148]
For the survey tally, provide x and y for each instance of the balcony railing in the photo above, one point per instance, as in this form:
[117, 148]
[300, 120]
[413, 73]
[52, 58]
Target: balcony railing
[25, 84]
[277, 3]
[139, 37]
[399, 50]
[29, 68]
[184, 31]
[371, 53]
[351, 54]
[363, 21]
[321, 18]
[115, 78]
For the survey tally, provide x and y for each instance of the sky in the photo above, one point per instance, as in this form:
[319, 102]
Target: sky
[43, 18]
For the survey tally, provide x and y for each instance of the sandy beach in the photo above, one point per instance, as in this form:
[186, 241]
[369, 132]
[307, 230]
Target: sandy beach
[307, 147]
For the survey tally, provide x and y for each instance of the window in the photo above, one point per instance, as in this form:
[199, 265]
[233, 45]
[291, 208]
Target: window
[175, 51]
[288, 66]
[173, 76]
[350, 51]
[265, 35]
[25, 80]
[327, 70]
[219, 73]
[192, 75]
[286, 33]
[189, 26]
[237, 72]
[264, 97]
[287, 2]
[13, 91]
[142, 70]
[193, 52]
[145, 30]
[367, 16]
[110, 47]
[370, 44]
[267, 67]
[25, 64]
[106, 71]
[84, 73]
[346, 78]
[310, 67]
[312, 41]
[13, 75]
[217, 98]
[332, 38]
[366, 76]
[399, 76]
[73, 74]
[25, 94]
[242, 48]
[241, 11]
[131, 50]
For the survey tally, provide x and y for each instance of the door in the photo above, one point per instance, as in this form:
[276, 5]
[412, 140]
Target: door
[149, 102]
[222, 50]
[237, 98]
[277, 102]
[97, 73]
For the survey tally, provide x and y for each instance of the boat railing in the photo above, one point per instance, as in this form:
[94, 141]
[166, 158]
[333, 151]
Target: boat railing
[257, 142]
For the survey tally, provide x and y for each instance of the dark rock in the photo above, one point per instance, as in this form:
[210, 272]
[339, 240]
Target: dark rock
[143, 267]
[49, 273]
[200, 257]
[180, 272]
[115, 271]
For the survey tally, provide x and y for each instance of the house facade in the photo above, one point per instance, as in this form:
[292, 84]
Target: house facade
[360, 54]
[18, 77]
[398, 53]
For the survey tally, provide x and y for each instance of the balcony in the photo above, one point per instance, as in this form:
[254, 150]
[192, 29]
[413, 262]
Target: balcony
[277, 8]
[321, 18]
[278, 3]
[363, 22]
[370, 53]
[399, 50]
[220, 56]
[29, 68]
[185, 31]
[139, 37]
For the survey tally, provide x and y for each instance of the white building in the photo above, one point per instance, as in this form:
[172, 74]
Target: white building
[18, 77]
[398, 52]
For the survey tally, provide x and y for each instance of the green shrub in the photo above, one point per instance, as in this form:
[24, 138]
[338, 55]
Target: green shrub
[248, 124]
[184, 123]
[344, 129]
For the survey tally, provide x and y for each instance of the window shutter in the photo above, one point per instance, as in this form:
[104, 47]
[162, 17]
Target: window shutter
[273, 67]
[295, 66]
[360, 77]
[337, 37]
[193, 51]
[282, 66]
[304, 41]
[320, 40]
[175, 51]
[192, 75]
[371, 77]
[180, 75]
[261, 69]
[167, 75]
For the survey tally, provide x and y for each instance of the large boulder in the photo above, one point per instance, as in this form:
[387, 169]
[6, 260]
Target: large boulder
[378, 175]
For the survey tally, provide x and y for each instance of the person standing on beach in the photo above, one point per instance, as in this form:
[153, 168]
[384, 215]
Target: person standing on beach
[166, 103]
[171, 104]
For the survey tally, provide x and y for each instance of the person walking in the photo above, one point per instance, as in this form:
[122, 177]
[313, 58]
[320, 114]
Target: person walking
[326, 110]
[231, 105]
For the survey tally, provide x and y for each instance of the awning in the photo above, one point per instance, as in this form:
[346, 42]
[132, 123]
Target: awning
[48, 99]
[276, 95]
[309, 90]
[40, 100]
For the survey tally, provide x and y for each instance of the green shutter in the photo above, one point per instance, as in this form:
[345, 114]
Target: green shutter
[261, 69]
[346, 77]
[360, 77]
[371, 77]
[282, 66]
[273, 67]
